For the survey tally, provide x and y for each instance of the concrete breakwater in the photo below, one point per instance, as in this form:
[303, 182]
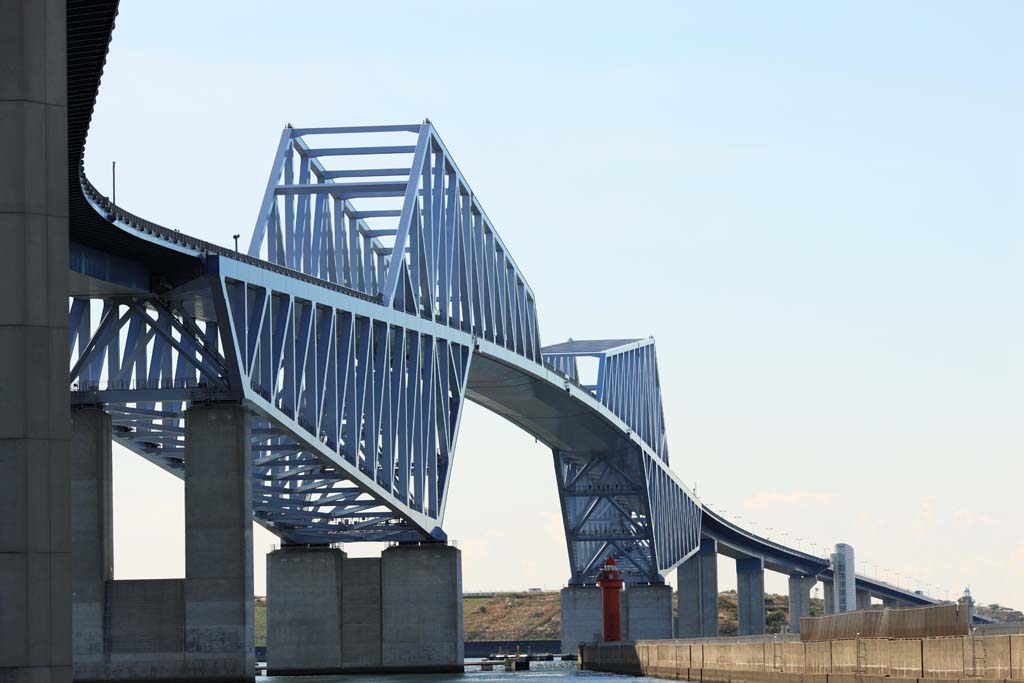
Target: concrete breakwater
[986, 658]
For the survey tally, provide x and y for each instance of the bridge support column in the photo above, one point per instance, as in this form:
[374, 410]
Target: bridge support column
[647, 611]
[581, 616]
[421, 608]
[304, 611]
[92, 538]
[863, 600]
[750, 595]
[697, 583]
[799, 600]
[218, 544]
[829, 596]
[890, 603]
[35, 538]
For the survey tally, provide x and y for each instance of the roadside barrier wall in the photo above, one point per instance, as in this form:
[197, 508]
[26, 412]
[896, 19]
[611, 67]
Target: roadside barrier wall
[860, 660]
[912, 622]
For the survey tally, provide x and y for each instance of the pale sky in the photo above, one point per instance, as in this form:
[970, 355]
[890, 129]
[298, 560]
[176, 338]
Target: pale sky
[817, 211]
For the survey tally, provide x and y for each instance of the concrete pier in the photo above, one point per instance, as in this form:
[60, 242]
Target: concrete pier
[750, 595]
[799, 600]
[890, 603]
[581, 616]
[304, 610]
[647, 612]
[92, 534]
[863, 599]
[697, 582]
[330, 614]
[421, 608]
[218, 544]
[199, 628]
[35, 478]
[829, 596]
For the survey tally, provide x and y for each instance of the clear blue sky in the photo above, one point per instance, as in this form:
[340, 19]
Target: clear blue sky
[817, 210]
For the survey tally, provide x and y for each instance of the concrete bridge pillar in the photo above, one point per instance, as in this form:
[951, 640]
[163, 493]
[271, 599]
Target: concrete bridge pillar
[218, 544]
[421, 608]
[890, 603]
[92, 535]
[197, 628]
[304, 610]
[697, 583]
[581, 616]
[863, 599]
[35, 480]
[799, 600]
[647, 611]
[829, 596]
[750, 595]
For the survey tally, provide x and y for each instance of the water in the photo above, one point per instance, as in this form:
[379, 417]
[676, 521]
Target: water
[540, 672]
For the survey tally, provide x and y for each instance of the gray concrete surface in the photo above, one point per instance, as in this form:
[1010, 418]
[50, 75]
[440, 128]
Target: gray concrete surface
[750, 595]
[218, 544]
[646, 612]
[421, 608]
[361, 630]
[304, 610]
[581, 616]
[697, 584]
[799, 600]
[35, 476]
[146, 616]
[92, 535]
[863, 599]
[829, 596]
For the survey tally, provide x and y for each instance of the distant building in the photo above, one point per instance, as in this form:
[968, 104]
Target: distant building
[844, 585]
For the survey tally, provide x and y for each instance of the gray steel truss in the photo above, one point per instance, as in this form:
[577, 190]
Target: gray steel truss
[373, 283]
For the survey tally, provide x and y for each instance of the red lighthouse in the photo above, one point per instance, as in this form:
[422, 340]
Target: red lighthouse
[610, 581]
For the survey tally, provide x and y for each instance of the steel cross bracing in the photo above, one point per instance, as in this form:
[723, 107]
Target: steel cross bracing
[627, 382]
[355, 362]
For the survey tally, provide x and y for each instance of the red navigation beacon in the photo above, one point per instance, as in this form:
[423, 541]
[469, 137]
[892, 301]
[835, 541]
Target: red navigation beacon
[610, 581]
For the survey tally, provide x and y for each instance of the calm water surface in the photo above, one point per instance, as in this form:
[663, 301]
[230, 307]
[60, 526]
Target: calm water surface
[540, 672]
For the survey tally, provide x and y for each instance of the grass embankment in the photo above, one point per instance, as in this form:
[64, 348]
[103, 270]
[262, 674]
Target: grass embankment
[536, 615]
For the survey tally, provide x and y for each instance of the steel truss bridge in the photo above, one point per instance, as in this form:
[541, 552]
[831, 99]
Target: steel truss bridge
[374, 299]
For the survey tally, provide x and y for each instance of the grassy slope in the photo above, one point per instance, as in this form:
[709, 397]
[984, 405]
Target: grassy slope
[535, 616]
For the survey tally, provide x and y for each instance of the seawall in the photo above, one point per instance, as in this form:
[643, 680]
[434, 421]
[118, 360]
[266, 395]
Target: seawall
[866, 660]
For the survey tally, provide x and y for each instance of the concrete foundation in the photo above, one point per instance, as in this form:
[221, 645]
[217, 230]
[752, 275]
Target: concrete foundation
[199, 628]
[421, 608]
[750, 595]
[581, 616]
[863, 600]
[647, 612]
[35, 479]
[799, 600]
[304, 610]
[697, 582]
